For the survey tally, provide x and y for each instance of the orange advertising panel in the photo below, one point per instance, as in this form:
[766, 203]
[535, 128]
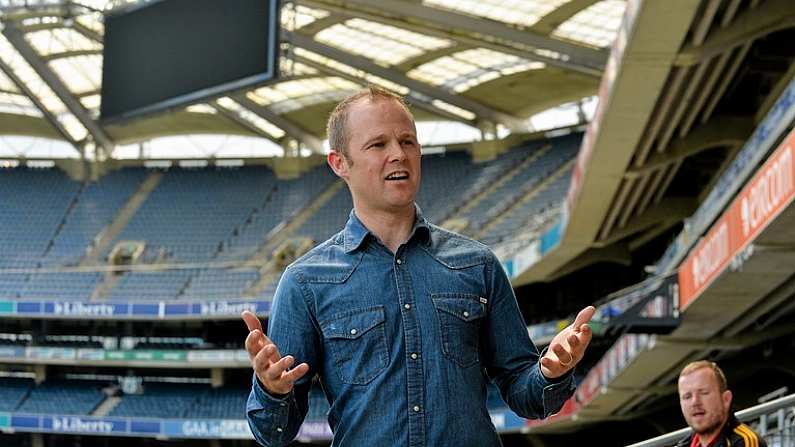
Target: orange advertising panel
[768, 193]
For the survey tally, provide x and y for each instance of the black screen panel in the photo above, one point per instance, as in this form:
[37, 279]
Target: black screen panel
[170, 53]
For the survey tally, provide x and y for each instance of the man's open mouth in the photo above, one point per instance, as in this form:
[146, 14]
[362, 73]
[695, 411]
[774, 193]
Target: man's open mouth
[399, 175]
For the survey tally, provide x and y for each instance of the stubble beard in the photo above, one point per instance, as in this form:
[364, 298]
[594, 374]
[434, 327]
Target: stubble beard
[712, 427]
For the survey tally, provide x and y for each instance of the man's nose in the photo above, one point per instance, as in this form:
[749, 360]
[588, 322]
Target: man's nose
[396, 151]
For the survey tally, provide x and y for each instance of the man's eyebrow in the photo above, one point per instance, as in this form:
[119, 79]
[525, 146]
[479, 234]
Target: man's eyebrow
[407, 134]
[375, 138]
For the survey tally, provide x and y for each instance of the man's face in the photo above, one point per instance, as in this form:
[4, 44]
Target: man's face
[382, 165]
[704, 407]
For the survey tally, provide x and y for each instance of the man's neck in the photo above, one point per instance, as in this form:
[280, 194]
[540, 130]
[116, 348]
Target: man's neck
[391, 228]
[706, 439]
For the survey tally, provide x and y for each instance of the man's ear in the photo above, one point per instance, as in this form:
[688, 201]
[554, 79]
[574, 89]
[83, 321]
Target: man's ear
[337, 163]
[727, 399]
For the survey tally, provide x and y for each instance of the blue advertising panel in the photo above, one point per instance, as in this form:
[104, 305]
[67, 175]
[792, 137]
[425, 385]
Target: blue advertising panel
[24, 421]
[145, 427]
[148, 310]
[29, 307]
[84, 424]
[207, 428]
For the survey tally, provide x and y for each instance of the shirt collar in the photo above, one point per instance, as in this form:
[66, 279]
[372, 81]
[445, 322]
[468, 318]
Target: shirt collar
[355, 232]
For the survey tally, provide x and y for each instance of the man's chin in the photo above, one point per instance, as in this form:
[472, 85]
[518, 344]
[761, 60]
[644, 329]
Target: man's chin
[705, 429]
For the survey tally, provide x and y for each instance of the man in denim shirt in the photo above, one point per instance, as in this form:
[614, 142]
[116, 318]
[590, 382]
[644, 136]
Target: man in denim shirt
[405, 323]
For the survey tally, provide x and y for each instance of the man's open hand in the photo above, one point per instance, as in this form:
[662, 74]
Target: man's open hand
[568, 346]
[271, 368]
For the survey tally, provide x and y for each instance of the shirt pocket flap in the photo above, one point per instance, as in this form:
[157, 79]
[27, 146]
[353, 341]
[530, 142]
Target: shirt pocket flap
[463, 306]
[354, 324]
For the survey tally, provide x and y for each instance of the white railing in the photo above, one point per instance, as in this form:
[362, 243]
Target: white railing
[774, 421]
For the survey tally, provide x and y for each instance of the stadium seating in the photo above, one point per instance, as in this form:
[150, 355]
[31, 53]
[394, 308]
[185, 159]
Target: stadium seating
[78, 397]
[96, 206]
[219, 283]
[220, 403]
[474, 180]
[68, 286]
[209, 215]
[159, 285]
[286, 198]
[192, 211]
[160, 400]
[523, 215]
[547, 162]
[13, 391]
[27, 232]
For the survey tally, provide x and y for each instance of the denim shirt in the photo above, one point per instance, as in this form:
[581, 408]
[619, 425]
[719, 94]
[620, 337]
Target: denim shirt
[404, 344]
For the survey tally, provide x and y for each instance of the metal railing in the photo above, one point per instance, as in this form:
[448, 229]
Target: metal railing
[774, 421]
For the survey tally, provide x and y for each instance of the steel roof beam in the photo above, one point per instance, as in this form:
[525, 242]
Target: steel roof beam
[310, 141]
[58, 87]
[49, 116]
[575, 57]
[418, 101]
[362, 63]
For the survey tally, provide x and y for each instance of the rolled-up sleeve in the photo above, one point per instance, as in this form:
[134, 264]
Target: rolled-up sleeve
[511, 358]
[275, 420]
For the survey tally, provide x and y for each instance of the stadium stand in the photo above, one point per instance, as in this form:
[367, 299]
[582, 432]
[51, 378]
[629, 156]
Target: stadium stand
[218, 284]
[60, 396]
[226, 215]
[151, 285]
[95, 208]
[13, 391]
[160, 400]
[67, 286]
[219, 403]
[27, 232]
[283, 200]
[525, 216]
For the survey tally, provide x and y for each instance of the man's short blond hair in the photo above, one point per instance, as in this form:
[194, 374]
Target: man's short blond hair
[702, 364]
[337, 125]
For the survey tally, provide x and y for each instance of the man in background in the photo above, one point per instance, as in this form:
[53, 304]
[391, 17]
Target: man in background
[706, 405]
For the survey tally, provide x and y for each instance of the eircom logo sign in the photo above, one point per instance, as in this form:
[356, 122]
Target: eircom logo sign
[768, 193]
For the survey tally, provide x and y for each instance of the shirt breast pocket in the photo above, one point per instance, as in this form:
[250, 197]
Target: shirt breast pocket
[460, 316]
[357, 340]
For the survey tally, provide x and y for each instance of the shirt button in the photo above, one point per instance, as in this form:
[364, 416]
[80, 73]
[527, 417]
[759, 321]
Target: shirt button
[399, 261]
[416, 408]
[407, 306]
[279, 429]
[354, 331]
[466, 314]
[414, 355]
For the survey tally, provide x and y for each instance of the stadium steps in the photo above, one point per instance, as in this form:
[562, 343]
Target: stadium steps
[271, 269]
[285, 229]
[103, 288]
[106, 406]
[267, 274]
[121, 220]
[528, 196]
[286, 253]
[62, 223]
[473, 202]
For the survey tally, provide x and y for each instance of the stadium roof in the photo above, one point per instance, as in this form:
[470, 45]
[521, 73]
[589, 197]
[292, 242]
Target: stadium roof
[491, 64]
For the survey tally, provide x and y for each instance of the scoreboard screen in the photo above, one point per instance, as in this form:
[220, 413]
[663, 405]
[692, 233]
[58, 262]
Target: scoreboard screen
[165, 54]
